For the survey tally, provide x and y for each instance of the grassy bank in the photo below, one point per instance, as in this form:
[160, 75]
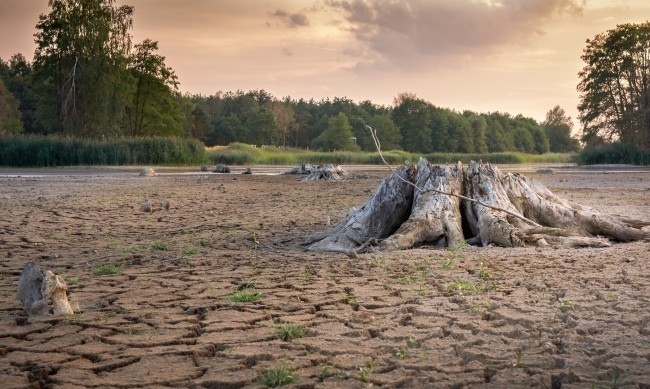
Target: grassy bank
[241, 154]
[614, 153]
[51, 151]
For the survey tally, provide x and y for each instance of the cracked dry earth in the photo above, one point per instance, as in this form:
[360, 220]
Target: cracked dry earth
[470, 317]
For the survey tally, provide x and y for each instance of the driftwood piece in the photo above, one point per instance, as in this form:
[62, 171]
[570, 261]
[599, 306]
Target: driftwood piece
[325, 172]
[42, 292]
[443, 206]
[382, 214]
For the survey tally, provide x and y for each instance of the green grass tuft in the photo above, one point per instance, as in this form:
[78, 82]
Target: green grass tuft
[107, 270]
[279, 376]
[244, 296]
[288, 331]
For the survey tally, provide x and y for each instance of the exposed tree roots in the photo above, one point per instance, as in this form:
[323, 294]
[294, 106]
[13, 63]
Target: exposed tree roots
[444, 205]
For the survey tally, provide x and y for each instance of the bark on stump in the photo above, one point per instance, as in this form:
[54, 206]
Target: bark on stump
[442, 206]
[43, 292]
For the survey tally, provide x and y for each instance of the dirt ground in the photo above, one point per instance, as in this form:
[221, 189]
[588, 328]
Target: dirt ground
[169, 316]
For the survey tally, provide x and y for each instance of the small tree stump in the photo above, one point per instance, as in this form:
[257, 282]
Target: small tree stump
[220, 168]
[42, 292]
[147, 172]
[325, 172]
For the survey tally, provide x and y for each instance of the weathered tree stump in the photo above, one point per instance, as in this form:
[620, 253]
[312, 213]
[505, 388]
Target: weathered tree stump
[42, 292]
[220, 168]
[304, 168]
[442, 206]
[325, 172]
[147, 172]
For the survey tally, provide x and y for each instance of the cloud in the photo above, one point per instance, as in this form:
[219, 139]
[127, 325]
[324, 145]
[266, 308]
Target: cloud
[408, 33]
[293, 20]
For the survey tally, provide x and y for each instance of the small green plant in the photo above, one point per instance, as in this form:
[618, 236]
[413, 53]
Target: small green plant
[325, 371]
[189, 250]
[565, 305]
[456, 250]
[366, 370]
[405, 280]
[107, 269]
[379, 263]
[244, 296]
[485, 275]
[448, 264]
[476, 309]
[203, 242]
[350, 298]
[159, 245]
[411, 341]
[278, 376]
[459, 286]
[309, 271]
[401, 353]
[288, 331]
[72, 281]
[255, 242]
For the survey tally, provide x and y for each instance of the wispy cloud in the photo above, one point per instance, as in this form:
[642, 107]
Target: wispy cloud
[292, 20]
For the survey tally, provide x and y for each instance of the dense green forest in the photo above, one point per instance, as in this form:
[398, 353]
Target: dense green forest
[88, 79]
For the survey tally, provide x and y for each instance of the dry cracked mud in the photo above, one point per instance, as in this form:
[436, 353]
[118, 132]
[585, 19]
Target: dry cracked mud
[156, 292]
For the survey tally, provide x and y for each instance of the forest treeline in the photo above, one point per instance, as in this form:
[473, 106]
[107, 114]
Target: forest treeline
[88, 79]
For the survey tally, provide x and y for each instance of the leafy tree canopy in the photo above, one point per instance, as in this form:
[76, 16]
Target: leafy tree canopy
[614, 87]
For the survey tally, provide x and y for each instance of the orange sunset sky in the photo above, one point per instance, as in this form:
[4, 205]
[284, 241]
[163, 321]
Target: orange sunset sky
[515, 56]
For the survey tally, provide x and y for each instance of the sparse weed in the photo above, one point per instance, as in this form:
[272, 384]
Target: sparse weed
[405, 280]
[244, 296]
[288, 331]
[159, 245]
[366, 370]
[325, 371]
[476, 309]
[309, 271]
[411, 341]
[459, 286]
[72, 281]
[189, 250]
[107, 269]
[448, 264]
[379, 263]
[565, 305]
[401, 353]
[278, 376]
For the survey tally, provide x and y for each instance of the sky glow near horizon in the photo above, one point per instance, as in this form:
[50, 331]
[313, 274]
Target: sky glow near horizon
[514, 56]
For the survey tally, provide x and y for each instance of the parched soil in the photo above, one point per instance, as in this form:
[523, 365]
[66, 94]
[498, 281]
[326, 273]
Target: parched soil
[169, 316]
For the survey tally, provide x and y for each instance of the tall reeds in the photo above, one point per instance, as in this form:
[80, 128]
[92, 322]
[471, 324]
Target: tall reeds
[50, 151]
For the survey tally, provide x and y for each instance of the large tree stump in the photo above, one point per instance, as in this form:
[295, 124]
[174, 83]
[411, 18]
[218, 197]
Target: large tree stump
[442, 206]
[42, 292]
